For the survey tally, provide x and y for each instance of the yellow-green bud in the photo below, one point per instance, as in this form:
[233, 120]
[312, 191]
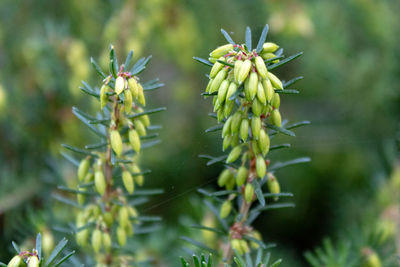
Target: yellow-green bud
[276, 118]
[244, 129]
[139, 127]
[119, 85]
[256, 127]
[236, 69]
[256, 235]
[261, 168]
[261, 94]
[106, 239]
[244, 71]
[220, 115]
[123, 216]
[268, 89]
[260, 66]
[81, 197]
[212, 59]
[82, 237]
[139, 179]
[33, 261]
[257, 107]
[227, 127]
[256, 149]
[221, 50]
[100, 182]
[230, 184]
[235, 139]
[116, 142]
[231, 90]
[253, 84]
[225, 209]
[249, 193]
[83, 168]
[276, 83]
[235, 123]
[16, 261]
[216, 68]
[227, 142]
[276, 100]
[103, 96]
[235, 244]
[263, 142]
[128, 181]
[134, 140]
[269, 47]
[268, 55]
[133, 87]
[273, 185]
[108, 218]
[224, 177]
[244, 246]
[229, 104]
[223, 89]
[209, 85]
[121, 236]
[371, 258]
[96, 240]
[140, 96]
[234, 154]
[128, 101]
[216, 82]
[241, 176]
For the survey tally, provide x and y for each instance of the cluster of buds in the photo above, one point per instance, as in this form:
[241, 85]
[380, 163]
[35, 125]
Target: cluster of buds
[25, 258]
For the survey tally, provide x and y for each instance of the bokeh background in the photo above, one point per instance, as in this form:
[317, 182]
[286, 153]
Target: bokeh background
[350, 94]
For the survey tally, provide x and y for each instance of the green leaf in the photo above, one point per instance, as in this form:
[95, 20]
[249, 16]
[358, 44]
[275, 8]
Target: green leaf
[140, 65]
[149, 229]
[248, 38]
[147, 112]
[71, 159]
[208, 94]
[280, 146]
[276, 263]
[255, 240]
[38, 245]
[147, 218]
[216, 194]
[198, 244]
[239, 259]
[196, 261]
[258, 192]
[149, 136]
[113, 62]
[152, 84]
[273, 59]
[277, 206]
[213, 160]
[279, 165]
[96, 146]
[3, 264]
[278, 195]
[227, 36]
[225, 63]
[63, 259]
[16, 247]
[184, 262]
[287, 91]
[281, 130]
[128, 60]
[297, 124]
[84, 117]
[65, 200]
[216, 213]
[292, 81]
[97, 68]
[89, 90]
[56, 251]
[262, 39]
[78, 150]
[214, 128]
[67, 189]
[203, 61]
[206, 228]
[284, 61]
[148, 192]
[150, 144]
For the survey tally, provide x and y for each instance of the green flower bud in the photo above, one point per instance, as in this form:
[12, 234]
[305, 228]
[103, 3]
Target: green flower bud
[235, 244]
[224, 177]
[123, 216]
[273, 185]
[96, 240]
[261, 94]
[139, 127]
[216, 83]
[81, 197]
[119, 85]
[276, 118]
[216, 68]
[263, 142]
[268, 89]
[33, 261]
[244, 246]
[276, 100]
[276, 83]
[241, 176]
[253, 84]
[235, 123]
[227, 142]
[231, 90]
[223, 89]
[16, 261]
[121, 236]
[103, 96]
[220, 115]
[134, 140]
[257, 107]
[133, 87]
[226, 208]
[269, 47]
[106, 239]
[140, 96]
[108, 218]
[268, 55]
[234, 154]
[116, 142]
[230, 184]
[244, 71]
[209, 85]
[256, 149]
[371, 258]
[139, 179]
[235, 139]
[128, 101]
[221, 51]
[128, 181]
[228, 107]
[249, 193]
[256, 235]
[236, 69]
[212, 59]
[145, 120]
[227, 127]
[260, 66]
[261, 168]
[83, 168]
[244, 129]
[82, 237]
[256, 127]
[100, 182]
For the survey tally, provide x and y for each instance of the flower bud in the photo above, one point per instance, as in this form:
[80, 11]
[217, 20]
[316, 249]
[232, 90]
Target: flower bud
[227, 142]
[254, 146]
[134, 140]
[119, 85]
[268, 55]
[128, 101]
[33, 261]
[257, 107]
[209, 85]
[244, 246]
[123, 216]
[103, 96]
[236, 69]
[116, 142]
[235, 139]
[212, 59]
[81, 197]
[100, 182]
[140, 97]
[220, 114]
[224, 177]
[83, 168]
[223, 89]
[225, 209]
[139, 179]
[106, 239]
[108, 218]
[231, 90]
[269, 47]
[244, 129]
[261, 94]
[216, 83]
[133, 87]
[16, 261]
[221, 51]
[235, 123]
[121, 236]
[216, 68]
[276, 118]
[145, 120]
[249, 193]
[276, 100]
[255, 235]
[235, 244]
[260, 66]
[96, 240]
[244, 71]
[227, 127]
[371, 259]
[261, 168]
[241, 176]
[230, 184]
[229, 104]
[82, 237]
[276, 83]
[268, 89]
[263, 142]
[234, 154]
[139, 127]
[253, 84]
[256, 127]
[273, 185]
[128, 181]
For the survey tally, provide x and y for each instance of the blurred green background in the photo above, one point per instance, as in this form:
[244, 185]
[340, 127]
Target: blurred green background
[350, 94]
